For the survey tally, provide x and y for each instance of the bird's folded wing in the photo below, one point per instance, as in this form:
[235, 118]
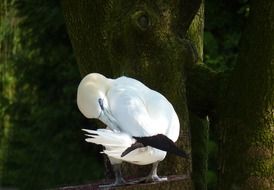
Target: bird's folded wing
[131, 111]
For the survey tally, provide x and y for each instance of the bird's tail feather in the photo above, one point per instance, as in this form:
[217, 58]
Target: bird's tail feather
[119, 144]
[109, 139]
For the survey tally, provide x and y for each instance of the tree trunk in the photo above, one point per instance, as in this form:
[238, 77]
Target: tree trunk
[140, 39]
[198, 122]
[246, 120]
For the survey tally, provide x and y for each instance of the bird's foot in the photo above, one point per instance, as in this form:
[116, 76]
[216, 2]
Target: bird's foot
[148, 179]
[117, 183]
[155, 178]
[122, 182]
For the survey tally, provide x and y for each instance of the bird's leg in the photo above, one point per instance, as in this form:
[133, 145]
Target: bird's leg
[119, 180]
[118, 174]
[153, 177]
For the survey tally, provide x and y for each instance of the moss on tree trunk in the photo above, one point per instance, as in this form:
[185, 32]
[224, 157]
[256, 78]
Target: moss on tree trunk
[198, 122]
[247, 115]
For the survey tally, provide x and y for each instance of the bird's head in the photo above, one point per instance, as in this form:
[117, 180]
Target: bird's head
[91, 91]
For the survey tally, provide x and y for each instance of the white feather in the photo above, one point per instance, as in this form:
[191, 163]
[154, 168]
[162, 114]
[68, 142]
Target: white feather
[116, 143]
[129, 109]
[109, 138]
[141, 111]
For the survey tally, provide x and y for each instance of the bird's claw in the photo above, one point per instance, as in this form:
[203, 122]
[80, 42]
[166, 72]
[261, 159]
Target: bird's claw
[115, 184]
[155, 178]
[148, 179]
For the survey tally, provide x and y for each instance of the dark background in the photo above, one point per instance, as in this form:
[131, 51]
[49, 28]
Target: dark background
[41, 144]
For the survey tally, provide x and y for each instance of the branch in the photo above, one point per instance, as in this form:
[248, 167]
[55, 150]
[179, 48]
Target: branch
[203, 89]
[173, 183]
[187, 10]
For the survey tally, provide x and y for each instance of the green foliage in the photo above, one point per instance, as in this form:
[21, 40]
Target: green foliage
[223, 25]
[224, 21]
[199, 138]
[43, 146]
[212, 167]
[211, 179]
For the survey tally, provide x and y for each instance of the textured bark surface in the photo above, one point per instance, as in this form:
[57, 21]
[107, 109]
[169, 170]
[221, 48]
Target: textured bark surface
[140, 39]
[198, 122]
[247, 114]
[199, 139]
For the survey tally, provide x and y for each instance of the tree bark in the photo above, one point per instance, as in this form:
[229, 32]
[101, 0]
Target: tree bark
[198, 121]
[246, 119]
[140, 39]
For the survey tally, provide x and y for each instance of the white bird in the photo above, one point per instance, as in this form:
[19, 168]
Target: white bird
[142, 125]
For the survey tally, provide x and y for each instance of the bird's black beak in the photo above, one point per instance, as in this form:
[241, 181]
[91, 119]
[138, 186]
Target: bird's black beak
[101, 103]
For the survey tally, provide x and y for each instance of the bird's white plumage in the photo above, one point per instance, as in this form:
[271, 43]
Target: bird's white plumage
[139, 110]
[130, 109]
[116, 143]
